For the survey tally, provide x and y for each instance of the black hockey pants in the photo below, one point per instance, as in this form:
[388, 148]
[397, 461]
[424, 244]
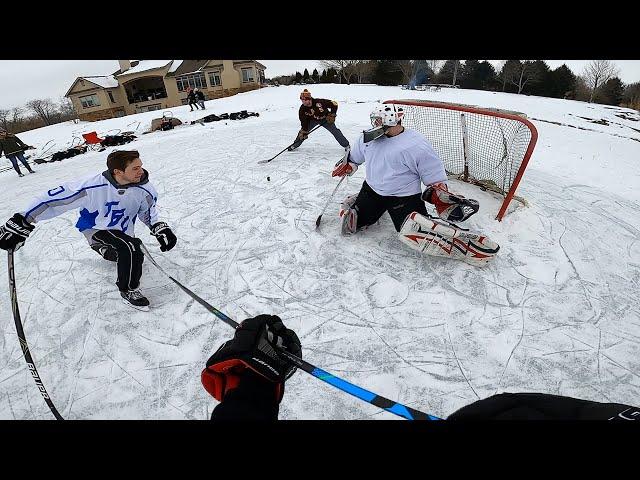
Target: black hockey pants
[130, 256]
[371, 206]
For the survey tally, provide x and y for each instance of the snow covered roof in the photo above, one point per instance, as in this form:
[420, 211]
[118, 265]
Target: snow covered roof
[176, 64]
[187, 66]
[145, 65]
[108, 81]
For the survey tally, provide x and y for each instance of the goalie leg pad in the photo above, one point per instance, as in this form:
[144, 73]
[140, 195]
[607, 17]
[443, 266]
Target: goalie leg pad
[433, 236]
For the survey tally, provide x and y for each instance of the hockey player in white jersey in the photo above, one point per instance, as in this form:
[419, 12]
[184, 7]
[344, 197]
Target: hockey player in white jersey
[398, 161]
[109, 204]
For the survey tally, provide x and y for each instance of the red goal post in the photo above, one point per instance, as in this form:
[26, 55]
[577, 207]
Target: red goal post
[487, 147]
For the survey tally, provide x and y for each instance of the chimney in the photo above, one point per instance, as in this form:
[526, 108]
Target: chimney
[124, 65]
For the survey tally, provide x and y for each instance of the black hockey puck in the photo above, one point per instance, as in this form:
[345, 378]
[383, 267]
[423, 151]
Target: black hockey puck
[268, 179]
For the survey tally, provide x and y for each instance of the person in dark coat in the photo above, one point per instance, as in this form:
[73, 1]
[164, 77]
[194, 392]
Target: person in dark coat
[191, 98]
[247, 376]
[199, 98]
[14, 149]
[317, 111]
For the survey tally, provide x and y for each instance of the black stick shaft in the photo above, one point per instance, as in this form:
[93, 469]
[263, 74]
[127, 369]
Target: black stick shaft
[23, 340]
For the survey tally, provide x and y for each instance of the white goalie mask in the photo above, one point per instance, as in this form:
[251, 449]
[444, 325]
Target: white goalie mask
[386, 115]
[382, 117]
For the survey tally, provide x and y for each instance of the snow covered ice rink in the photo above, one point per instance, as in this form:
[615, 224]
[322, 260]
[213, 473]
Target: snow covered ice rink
[557, 311]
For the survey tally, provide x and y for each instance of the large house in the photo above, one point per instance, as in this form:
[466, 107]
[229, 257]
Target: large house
[145, 85]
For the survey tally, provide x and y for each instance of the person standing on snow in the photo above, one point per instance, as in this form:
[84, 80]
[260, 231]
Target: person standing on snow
[109, 203]
[14, 149]
[199, 97]
[314, 111]
[191, 99]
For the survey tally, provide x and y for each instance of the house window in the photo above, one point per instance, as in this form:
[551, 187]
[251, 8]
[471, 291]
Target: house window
[214, 79]
[247, 75]
[111, 97]
[90, 101]
[193, 81]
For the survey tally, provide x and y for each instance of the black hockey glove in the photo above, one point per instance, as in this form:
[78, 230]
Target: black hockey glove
[164, 235]
[252, 347]
[14, 233]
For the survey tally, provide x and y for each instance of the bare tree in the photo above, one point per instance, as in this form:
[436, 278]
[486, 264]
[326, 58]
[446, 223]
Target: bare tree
[341, 66]
[519, 73]
[597, 73]
[16, 115]
[67, 112]
[434, 65]
[4, 118]
[361, 69]
[406, 67]
[456, 64]
[43, 108]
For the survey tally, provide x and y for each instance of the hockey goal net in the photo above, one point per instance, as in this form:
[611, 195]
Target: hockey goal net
[486, 147]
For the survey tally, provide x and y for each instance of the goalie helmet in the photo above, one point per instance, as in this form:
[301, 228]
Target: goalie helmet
[386, 115]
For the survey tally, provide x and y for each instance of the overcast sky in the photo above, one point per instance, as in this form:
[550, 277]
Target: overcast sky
[24, 80]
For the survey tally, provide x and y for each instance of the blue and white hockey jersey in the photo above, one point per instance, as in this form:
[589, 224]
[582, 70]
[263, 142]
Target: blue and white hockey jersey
[103, 204]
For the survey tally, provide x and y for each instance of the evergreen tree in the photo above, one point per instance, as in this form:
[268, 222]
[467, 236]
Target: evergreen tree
[298, 77]
[450, 73]
[487, 76]
[631, 96]
[386, 72]
[562, 82]
[315, 76]
[305, 76]
[611, 92]
[470, 77]
[332, 75]
[542, 85]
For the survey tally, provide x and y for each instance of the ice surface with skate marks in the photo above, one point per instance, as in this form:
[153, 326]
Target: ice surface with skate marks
[556, 311]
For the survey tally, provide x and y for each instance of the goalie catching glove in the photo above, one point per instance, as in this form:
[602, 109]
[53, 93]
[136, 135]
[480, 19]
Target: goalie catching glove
[450, 207]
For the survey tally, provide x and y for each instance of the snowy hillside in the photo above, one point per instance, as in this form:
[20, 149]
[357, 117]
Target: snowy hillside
[556, 312]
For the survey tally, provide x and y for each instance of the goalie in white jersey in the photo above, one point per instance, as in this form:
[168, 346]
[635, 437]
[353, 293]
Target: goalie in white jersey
[109, 204]
[398, 161]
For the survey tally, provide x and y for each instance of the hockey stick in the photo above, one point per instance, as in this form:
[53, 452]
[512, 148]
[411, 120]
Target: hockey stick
[23, 340]
[358, 392]
[285, 148]
[328, 201]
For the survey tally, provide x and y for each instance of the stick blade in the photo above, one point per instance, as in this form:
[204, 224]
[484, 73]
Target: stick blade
[318, 221]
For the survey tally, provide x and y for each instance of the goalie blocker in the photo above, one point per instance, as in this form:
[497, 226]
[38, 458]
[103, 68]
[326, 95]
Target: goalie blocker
[433, 236]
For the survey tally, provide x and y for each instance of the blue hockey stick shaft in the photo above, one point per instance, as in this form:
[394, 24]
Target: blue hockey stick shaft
[341, 384]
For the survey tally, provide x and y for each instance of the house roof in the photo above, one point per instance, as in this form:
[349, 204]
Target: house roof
[144, 65]
[175, 65]
[103, 81]
[250, 61]
[188, 66]
[108, 81]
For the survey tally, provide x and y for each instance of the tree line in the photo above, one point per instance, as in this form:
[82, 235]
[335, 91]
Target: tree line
[598, 82]
[37, 113]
